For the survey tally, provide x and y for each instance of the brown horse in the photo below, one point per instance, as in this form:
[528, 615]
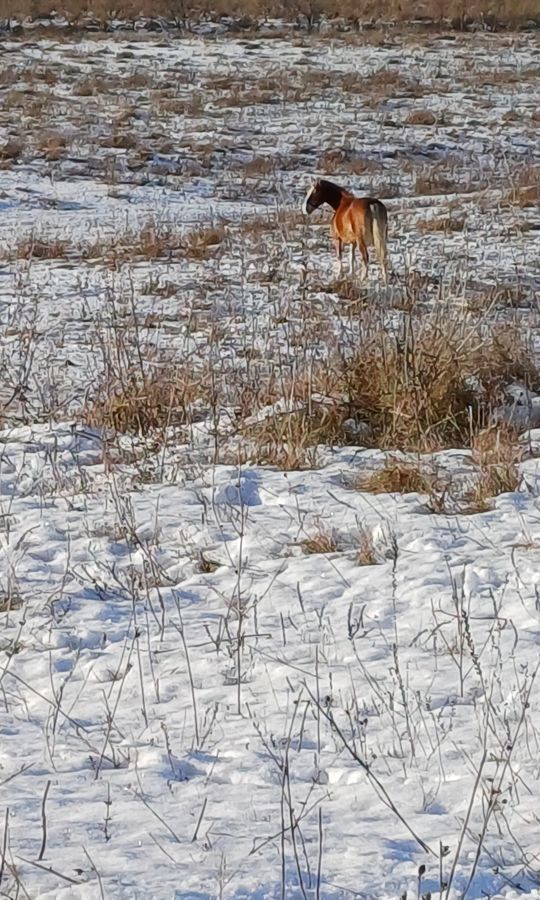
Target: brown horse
[356, 221]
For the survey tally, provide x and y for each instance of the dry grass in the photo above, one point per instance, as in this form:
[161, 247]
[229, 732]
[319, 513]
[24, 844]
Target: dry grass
[290, 440]
[421, 117]
[436, 183]
[366, 555]
[34, 247]
[10, 601]
[322, 540]
[497, 453]
[52, 145]
[397, 476]
[150, 241]
[306, 13]
[143, 403]
[446, 224]
[524, 188]
[11, 150]
[434, 382]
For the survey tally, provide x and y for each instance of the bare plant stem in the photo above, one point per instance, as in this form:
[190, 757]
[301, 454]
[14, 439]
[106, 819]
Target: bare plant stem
[375, 782]
[44, 822]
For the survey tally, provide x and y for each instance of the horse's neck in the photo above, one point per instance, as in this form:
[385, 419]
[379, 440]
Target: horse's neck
[334, 195]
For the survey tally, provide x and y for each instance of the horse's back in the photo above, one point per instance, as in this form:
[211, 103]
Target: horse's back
[354, 218]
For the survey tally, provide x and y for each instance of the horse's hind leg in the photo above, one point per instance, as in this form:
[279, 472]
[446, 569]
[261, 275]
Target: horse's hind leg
[383, 258]
[339, 253]
[365, 258]
[353, 249]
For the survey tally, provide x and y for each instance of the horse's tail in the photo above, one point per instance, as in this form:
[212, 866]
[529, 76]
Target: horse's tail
[379, 225]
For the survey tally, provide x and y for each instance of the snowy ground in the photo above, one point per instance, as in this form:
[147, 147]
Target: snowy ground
[194, 705]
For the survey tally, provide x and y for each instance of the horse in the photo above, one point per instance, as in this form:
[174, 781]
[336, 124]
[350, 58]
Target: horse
[357, 221]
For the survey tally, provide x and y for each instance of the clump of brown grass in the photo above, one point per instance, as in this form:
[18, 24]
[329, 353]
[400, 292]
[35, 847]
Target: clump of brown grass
[33, 247]
[435, 381]
[439, 183]
[322, 540]
[525, 188]
[366, 555]
[199, 243]
[397, 476]
[52, 145]
[421, 117]
[443, 223]
[141, 403]
[290, 440]
[496, 452]
[206, 565]
[11, 150]
[155, 240]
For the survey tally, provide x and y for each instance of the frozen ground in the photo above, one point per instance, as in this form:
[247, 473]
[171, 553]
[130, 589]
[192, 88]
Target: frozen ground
[197, 702]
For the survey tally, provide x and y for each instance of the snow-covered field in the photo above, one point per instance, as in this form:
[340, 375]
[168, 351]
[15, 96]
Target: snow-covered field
[229, 679]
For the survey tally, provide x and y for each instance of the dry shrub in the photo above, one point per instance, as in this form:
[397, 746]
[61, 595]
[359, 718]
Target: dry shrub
[435, 381]
[142, 402]
[432, 383]
[397, 476]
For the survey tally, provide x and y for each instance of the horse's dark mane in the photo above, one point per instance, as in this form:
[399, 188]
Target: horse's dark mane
[332, 192]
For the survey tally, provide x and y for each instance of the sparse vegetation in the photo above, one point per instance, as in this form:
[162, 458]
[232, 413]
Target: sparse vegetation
[308, 13]
[233, 486]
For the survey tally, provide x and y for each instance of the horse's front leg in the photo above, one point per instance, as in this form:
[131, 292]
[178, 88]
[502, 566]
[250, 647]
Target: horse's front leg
[353, 258]
[339, 253]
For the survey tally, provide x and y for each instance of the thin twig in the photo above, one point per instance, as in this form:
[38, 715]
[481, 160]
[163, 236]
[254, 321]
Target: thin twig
[44, 822]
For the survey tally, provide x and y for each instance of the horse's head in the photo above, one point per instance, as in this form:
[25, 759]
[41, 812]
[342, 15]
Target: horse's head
[314, 197]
